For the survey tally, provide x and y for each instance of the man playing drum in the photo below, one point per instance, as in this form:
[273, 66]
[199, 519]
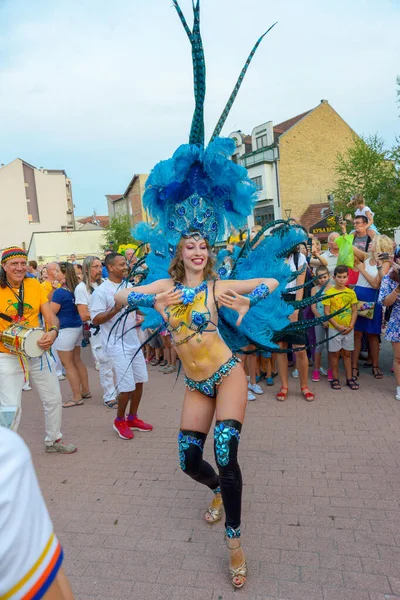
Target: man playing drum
[21, 301]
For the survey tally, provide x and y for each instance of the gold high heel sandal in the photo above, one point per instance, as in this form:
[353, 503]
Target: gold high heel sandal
[215, 510]
[240, 573]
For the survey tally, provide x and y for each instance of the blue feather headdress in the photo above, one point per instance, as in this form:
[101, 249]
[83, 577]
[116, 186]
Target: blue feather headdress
[200, 190]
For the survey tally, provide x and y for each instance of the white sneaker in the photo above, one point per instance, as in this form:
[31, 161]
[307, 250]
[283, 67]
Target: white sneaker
[26, 387]
[97, 366]
[250, 395]
[254, 387]
[323, 371]
[398, 393]
[61, 377]
[295, 374]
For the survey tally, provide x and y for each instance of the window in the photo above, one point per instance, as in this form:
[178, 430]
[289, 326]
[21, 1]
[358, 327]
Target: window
[258, 182]
[261, 141]
[235, 158]
[263, 215]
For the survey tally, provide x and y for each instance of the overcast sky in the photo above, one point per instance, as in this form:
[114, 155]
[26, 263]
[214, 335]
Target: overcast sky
[104, 89]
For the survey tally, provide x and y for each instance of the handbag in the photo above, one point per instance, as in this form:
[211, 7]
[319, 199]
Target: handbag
[366, 309]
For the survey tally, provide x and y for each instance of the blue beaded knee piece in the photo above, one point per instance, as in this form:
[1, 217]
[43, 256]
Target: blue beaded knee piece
[223, 434]
[184, 441]
[232, 532]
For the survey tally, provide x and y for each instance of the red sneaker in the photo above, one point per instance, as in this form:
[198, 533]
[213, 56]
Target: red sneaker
[122, 429]
[138, 424]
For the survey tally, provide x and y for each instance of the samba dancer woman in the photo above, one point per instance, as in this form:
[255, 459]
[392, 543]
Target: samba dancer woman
[187, 303]
[192, 198]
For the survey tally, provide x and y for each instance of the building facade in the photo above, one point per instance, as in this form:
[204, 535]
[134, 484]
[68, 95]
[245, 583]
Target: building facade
[51, 246]
[130, 202]
[33, 200]
[117, 205]
[259, 155]
[293, 163]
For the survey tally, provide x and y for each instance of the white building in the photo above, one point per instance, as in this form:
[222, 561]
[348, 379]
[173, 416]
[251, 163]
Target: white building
[259, 154]
[33, 200]
[56, 246]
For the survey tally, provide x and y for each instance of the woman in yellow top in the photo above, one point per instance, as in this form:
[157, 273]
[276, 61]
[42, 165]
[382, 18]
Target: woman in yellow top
[216, 384]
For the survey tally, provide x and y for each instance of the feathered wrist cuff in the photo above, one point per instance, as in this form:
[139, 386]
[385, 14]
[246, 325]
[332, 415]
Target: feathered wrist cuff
[259, 293]
[138, 299]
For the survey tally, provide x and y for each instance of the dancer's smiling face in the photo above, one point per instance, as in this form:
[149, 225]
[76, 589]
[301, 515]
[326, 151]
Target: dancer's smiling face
[194, 254]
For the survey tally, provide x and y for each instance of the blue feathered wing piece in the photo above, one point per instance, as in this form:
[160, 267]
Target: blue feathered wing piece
[157, 263]
[265, 256]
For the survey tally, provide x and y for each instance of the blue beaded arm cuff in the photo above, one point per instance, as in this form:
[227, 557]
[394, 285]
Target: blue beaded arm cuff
[138, 299]
[259, 293]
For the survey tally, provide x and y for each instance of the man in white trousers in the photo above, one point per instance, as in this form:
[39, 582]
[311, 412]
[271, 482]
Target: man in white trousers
[21, 301]
[122, 347]
[91, 279]
[51, 284]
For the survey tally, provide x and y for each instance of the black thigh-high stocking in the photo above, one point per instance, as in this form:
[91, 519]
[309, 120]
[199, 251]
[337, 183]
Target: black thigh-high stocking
[226, 443]
[191, 446]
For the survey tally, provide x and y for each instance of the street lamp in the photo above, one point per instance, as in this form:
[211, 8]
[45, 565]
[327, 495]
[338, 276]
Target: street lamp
[288, 212]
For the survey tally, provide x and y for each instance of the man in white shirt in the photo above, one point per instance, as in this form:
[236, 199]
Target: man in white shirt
[121, 344]
[330, 256]
[91, 279]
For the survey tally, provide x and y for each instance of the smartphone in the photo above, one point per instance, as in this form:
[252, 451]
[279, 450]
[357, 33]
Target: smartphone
[309, 242]
[383, 256]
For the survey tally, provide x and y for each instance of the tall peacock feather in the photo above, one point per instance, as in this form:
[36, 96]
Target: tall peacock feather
[200, 189]
[232, 97]
[199, 76]
[199, 72]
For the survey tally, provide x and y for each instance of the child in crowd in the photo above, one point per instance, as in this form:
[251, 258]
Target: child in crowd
[266, 365]
[357, 201]
[341, 326]
[321, 330]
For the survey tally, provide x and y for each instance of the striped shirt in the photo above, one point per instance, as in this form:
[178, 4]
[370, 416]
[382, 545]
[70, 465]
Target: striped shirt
[30, 554]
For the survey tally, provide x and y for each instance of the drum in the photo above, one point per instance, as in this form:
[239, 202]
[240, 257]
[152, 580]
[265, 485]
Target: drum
[22, 340]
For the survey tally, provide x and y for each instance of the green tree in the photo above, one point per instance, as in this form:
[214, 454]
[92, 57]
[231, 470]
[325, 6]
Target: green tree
[118, 232]
[367, 168]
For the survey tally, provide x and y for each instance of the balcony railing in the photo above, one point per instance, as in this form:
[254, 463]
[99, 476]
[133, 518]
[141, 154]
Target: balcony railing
[260, 156]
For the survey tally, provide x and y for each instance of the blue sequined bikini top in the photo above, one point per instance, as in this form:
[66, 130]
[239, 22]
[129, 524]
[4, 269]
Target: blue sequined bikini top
[192, 313]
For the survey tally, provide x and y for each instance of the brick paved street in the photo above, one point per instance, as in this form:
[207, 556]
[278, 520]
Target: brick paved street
[321, 514]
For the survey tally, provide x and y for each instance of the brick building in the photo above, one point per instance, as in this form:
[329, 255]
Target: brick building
[293, 163]
[130, 202]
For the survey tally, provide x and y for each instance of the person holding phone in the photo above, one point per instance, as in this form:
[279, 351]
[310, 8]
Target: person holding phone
[316, 259]
[372, 269]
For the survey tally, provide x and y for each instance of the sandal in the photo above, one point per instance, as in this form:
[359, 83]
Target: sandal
[238, 576]
[357, 375]
[282, 394]
[71, 402]
[309, 396]
[215, 511]
[163, 363]
[155, 362]
[353, 385]
[376, 372]
[111, 403]
[88, 395]
[335, 384]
